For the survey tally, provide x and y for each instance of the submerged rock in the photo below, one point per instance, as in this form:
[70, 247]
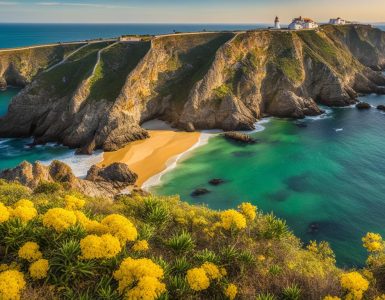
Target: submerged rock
[200, 192]
[363, 105]
[381, 107]
[216, 181]
[313, 228]
[239, 137]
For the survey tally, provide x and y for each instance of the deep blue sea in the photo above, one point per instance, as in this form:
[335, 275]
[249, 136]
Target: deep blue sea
[17, 35]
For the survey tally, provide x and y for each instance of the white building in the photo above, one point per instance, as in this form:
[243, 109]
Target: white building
[302, 23]
[337, 21]
[277, 24]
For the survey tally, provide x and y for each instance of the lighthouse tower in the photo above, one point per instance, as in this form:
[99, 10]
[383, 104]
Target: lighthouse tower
[277, 25]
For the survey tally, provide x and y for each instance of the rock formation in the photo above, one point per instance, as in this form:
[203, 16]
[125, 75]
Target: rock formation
[100, 96]
[105, 182]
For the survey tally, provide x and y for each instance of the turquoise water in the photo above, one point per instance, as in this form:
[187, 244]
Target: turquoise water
[14, 151]
[330, 173]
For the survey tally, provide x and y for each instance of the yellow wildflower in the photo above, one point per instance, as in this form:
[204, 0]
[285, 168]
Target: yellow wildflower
[24, 203]
[147, 288]
[212, 271]
[381, 297]
[231, 291]
[140, 246]
[312, 247]
[4, 213]
[73, 203]
[58, 218]
[223, 271]
[133, 270]
[95, 247]
[120, 227]
[232, 219]
[373, 242]
[30, 251]
[23, 213]
[199, 221]
[197, 279]
[261, 257]
[91, 226]
[248, 210]
[355, 284]
[332, 298]
[39, 269]
[11, 284]
[368, 275]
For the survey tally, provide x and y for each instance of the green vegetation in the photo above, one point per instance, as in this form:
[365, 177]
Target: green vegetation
[195, 51]
[59, 244]
[115, 65]
[284, 56]
[87, 50]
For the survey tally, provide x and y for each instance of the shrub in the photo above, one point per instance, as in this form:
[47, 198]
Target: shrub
[39, 269]
[180, 266]
[154, 212]
[265, 296]
[197, 279]
[45, 187]
[95, 247]
[181, 243]
[58, 218]
[231, 291]
[206, 255]
[292, 292]
[120, 227]
[11, 284]
[30, 251]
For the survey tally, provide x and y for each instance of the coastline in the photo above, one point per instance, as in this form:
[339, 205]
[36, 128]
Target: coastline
[152, 157]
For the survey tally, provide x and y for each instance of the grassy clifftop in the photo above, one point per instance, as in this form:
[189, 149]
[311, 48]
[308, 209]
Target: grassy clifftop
[56, 243]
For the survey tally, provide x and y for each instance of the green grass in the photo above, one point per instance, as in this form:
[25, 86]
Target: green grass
[115, 65]
[91, 48]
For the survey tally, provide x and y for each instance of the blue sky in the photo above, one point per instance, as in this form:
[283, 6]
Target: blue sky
[183, 11]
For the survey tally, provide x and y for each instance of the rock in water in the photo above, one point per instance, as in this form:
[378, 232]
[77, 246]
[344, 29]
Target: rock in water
[239, 137]
[363, 105]
[116, 173]
[216, 181]
[200, 192]
[381, 107]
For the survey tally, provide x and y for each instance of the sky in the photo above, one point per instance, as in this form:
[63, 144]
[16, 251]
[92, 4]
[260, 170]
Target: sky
[183, 11]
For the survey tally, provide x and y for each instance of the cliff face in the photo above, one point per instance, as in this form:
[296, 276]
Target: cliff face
[99, 97]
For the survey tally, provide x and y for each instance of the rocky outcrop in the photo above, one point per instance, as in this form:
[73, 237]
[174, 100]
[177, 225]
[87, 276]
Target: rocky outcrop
[363, 105]
[239, 137]
[99, 97]
[100, 182]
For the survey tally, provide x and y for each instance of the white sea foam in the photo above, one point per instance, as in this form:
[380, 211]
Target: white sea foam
[258, 126]
[339, 129]
[79, 164]
[326, 115]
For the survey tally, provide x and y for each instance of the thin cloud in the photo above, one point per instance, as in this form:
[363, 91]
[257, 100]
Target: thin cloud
[9, 3]
[77, 4]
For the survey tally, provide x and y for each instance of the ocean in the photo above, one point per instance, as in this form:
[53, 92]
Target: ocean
[326, 177]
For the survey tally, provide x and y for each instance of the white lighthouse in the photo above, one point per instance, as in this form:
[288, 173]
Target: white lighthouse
[277, 25]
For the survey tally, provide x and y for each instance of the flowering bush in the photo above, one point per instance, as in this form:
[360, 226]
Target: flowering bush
[355, 284]
[73, 203]
[39, 269]
[24, 210]
[140, 246]
[332, 298]
[30, 251]
[11, 284]
[105, 246]
[197, 279]
[231, 291]
[248, 210]
[4, 213]
[58, 218]
[120, 227]
[91, 226]
[232, 219]
[212, 271]
[373, 242]
[145, 272]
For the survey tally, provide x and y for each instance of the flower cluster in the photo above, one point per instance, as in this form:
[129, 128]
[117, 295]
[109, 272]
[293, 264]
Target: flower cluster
[145, 273]
[355, 284]
[30, 251]
[58, 218]
[95, 247]
[232, 219]
[4, 213]
[39, 269]
[140, 246]
[373, 242]
[199, 278]
[91, 226]
[73, 203]
[24, 210]
[248, 210]
[11, 284]
[231, 291]
[331, 298]
[120, 227]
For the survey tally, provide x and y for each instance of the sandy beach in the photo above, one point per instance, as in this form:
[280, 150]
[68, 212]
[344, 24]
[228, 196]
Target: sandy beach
[150, 156]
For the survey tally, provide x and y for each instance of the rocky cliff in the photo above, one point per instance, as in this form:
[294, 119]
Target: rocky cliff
[100, 96]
